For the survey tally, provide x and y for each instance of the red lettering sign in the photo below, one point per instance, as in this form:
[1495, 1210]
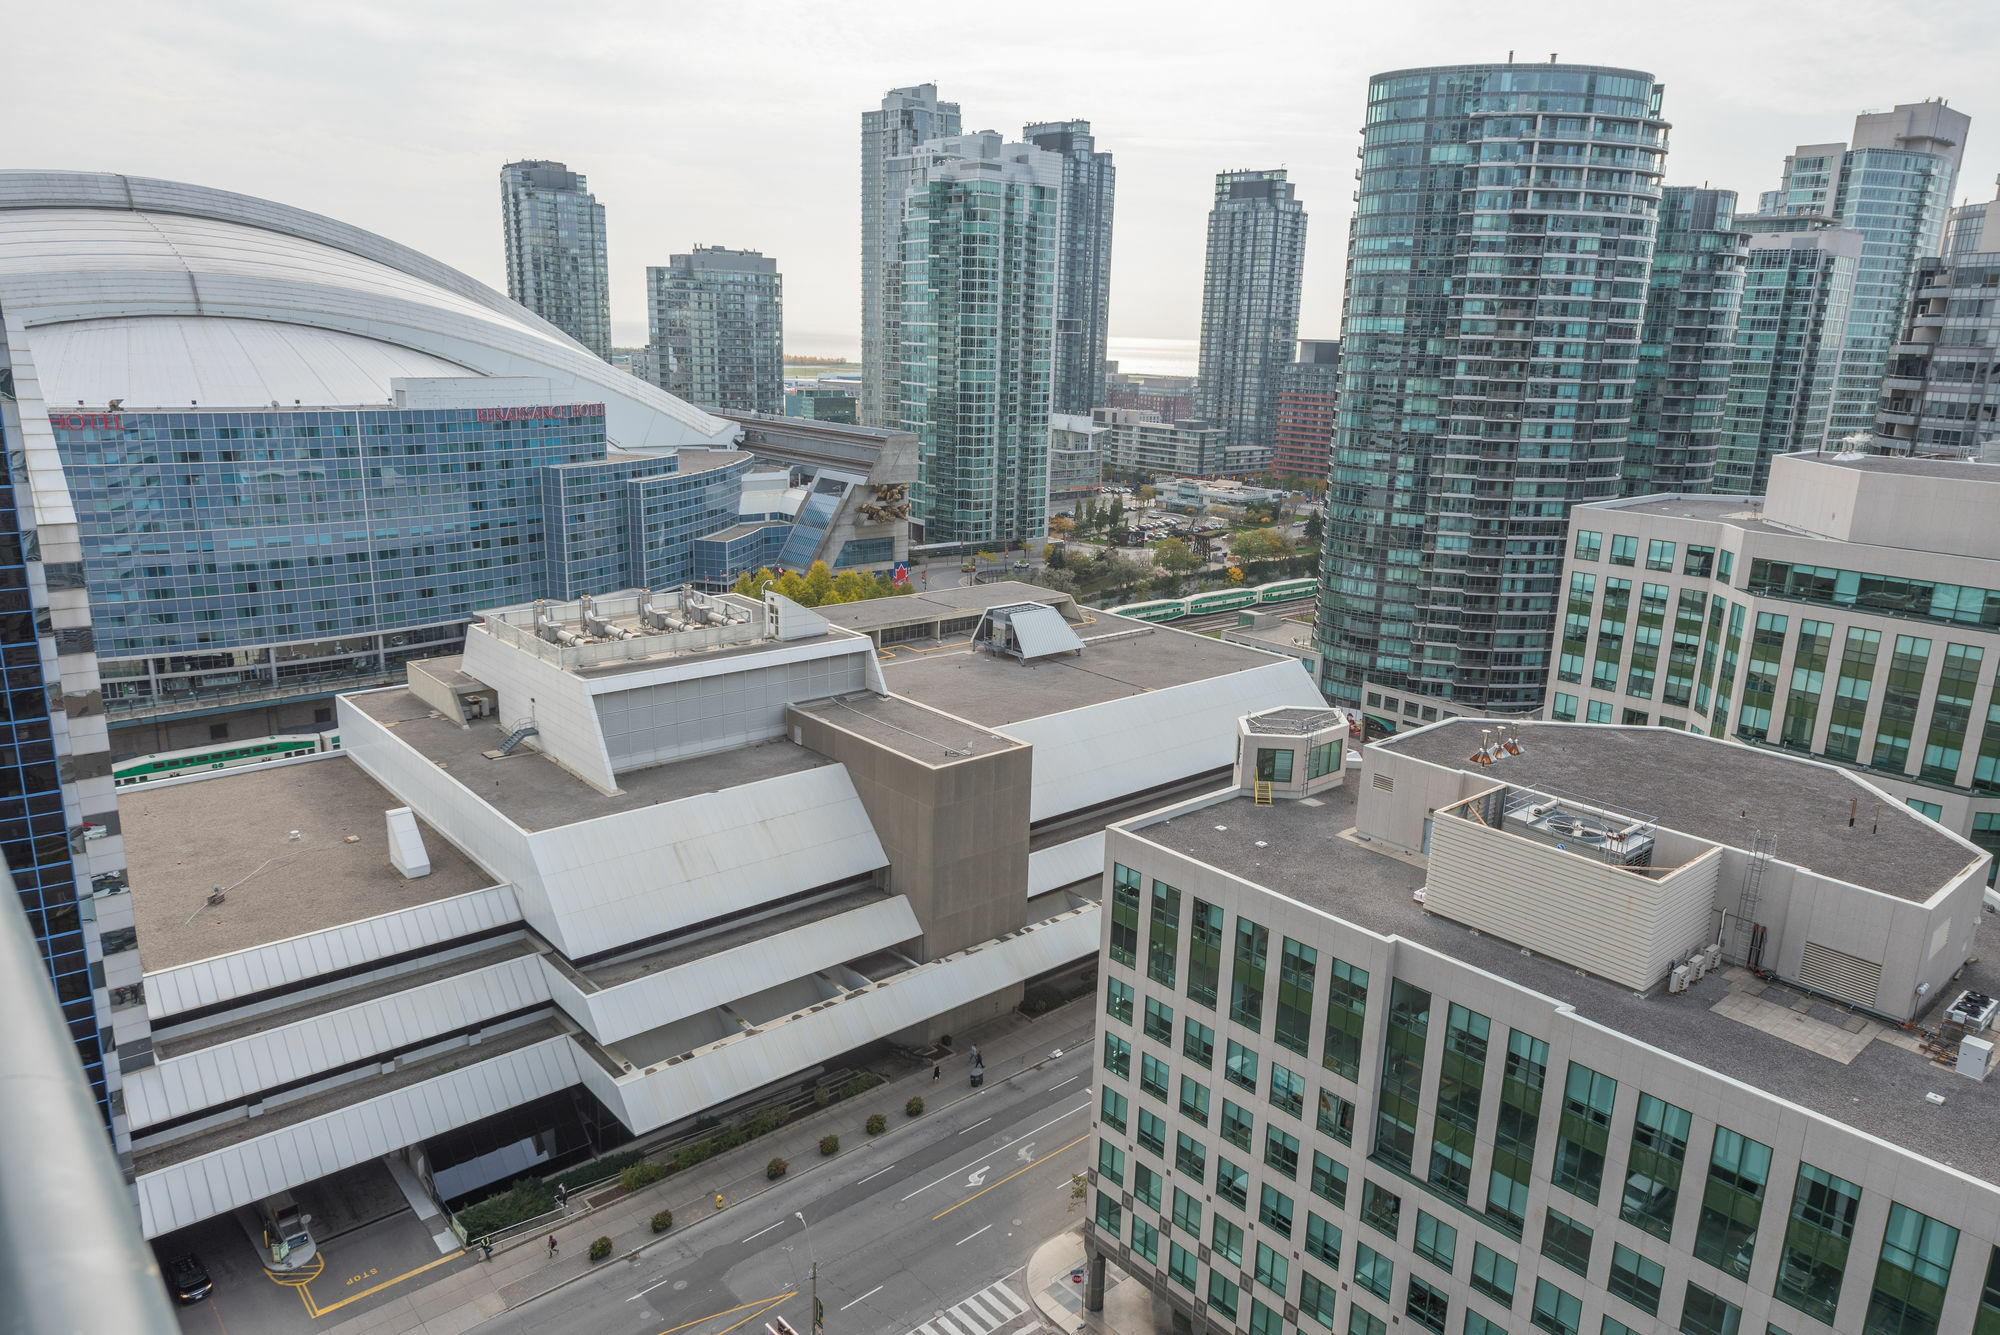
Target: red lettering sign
[85, 421]
[541, 412]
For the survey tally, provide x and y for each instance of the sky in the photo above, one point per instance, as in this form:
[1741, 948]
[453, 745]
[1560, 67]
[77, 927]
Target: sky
[738, 124]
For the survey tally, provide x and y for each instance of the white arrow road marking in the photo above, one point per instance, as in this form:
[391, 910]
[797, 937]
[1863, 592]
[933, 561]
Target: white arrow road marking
[1026, 1154]
[977, 1178]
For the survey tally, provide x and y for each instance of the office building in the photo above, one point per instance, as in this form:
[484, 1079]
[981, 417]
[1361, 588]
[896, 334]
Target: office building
[1138, 447]
[1441, 1045]
[1466, 433]
[1249, 305]
[1076, 458]
[1940, 395]
[1894, 185]
[632, 858]
[288, 478]
[717, 325]
[1853, 615]
[1171, 396]
[556, 265]
[1307, 412]
[1083, 263]
[981, 229]
[1798, 287]
[889, 135]
[827, 399]
[1686, 344]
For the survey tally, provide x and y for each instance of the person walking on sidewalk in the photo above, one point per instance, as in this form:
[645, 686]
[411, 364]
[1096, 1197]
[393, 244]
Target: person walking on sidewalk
[553, 1251]
[562, 1195]
[487, 1246]
[936, 1071]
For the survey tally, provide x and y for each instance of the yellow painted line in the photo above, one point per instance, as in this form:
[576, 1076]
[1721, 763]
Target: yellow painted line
[387, 1283]
[716, 1316]
[1010, 1177]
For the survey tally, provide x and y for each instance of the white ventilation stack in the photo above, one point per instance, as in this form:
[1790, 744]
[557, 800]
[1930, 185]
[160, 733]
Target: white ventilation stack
[406, 844]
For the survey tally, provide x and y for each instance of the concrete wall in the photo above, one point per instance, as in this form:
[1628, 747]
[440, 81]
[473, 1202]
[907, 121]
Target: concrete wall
[1951, 514]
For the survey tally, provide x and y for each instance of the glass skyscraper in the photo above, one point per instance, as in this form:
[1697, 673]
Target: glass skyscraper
[556, 265]
[717, 321]
[889, 135]
[1496, 278]
[1249, 306]
[1894, 186]
[1083, 282]
[1686, 343]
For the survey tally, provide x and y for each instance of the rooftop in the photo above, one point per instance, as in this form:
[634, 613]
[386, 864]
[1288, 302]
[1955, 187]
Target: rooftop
[536, 793]
[1720, 791]
[914, 730]
[235, 830]
[1120, 658]
[1299, 847]
[941, 604]
[1963, 470]
[626, 968]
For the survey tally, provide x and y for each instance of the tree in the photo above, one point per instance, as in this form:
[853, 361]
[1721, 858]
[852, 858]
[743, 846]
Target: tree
[819, 583]
[1062, 526]
[1055, 578]
[1148, 493]
[1056, 555]
[1235, 575]
[1263, 544]
[1172, 555]
[753, 586]
[792, 587]
[1315, 528]
[851, 586]
[1115, 521]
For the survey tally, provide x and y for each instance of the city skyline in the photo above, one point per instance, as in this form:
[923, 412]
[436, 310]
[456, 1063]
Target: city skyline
[303, 136]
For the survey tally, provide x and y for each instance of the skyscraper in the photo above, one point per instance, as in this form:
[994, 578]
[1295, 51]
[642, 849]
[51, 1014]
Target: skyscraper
[975, 337]
[1686, 343]
[1939, 397]
[717, 329]
[556, 262]
[1307, 411]
[1798, 286]
[1249, 303]
[1497, 270]
[1083, 279]
[1894, 186]
[907, 117]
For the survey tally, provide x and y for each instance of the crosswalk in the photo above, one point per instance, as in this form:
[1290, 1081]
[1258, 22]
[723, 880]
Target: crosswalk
[994, 1310]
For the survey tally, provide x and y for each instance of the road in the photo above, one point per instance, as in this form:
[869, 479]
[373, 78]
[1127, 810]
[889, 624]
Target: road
[931, 1225]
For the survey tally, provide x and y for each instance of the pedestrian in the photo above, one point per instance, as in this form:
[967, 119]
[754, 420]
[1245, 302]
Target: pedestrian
[486, 1245]
[552, 1246]
[562, 1195]
[975, 1055]
[936, 1071]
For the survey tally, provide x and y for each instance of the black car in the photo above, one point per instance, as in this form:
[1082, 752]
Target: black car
[189, 1279]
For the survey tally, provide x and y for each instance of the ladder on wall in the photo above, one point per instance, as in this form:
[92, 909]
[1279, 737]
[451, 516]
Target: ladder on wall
[1263, 792]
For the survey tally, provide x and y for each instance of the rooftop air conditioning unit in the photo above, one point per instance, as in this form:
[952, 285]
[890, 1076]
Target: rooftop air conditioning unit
[1677, 981]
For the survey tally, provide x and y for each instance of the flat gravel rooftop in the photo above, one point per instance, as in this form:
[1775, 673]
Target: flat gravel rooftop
[940, 604]
[537, 794]
[183, 840]
[906, 727]
[1296, 850]
[1717, 790]
[1120, 658]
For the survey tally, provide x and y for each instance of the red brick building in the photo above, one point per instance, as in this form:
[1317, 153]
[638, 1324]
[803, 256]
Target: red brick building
[1307, 412]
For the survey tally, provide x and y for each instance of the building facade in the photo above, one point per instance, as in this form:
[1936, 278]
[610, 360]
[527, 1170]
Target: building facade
[1076, 458]
[1853, 617]
[981, 230]
[717, 325]
[556, 260]
[1893, 184]
[1941, 394]
[1137, 445]
[1171, 396]
[1686, 344]
[1249, 303]
[1083, 278]
[1465, 433]
[1324, 1106]
[1307, 411]
[1798, 287]
[907, 117]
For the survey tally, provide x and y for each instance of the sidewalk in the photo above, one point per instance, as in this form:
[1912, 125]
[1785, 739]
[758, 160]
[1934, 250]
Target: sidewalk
[1129, 1306]
[522, 1271]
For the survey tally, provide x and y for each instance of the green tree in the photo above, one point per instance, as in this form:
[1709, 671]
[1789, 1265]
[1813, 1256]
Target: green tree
[819, 583]
[792, 587]
[1114, 522]
[850, 586]
[753, 586]
[1056, 555]
[1056, 578]
[1315, 528]
[1172, 555]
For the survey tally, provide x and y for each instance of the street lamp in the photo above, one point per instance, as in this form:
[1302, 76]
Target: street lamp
[818, 1317]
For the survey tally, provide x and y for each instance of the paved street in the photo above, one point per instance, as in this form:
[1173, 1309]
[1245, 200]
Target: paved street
[927, 1230]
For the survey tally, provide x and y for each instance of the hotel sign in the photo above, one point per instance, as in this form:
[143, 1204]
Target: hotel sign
[85, 421]
[541, 412]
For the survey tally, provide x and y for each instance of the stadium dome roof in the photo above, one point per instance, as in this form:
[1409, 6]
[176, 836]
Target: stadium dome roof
[165, 295]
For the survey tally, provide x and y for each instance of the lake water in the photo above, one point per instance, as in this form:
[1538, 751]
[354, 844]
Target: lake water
[1155, 356]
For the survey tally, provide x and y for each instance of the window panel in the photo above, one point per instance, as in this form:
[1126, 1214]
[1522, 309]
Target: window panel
[1731, 1202]
[1584, 1131]
[1346, 1009]
[1911, 1275]
[1194, 1100]
[1246, 978]
[1653, 1166]
[1402, 1075]
[1292, 1022]
[1241, 1066]
[1493, 1274]
[1566, 1242]
[1814, 1261]
[1204, 954]
[1163, 942]
[1124, 915]
[1329, 1180]
[1436, 1242]
[1636, 1279]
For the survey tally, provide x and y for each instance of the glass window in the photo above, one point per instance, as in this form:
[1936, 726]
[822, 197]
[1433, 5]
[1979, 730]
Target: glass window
[1381, 1209]
[1293, 1020]
[1204, 954]
[1145, 1239]
[1514, 1133]
[1329, 1180]
[1821, 1225]
[1146, 1185]
[1164, 943]
[1336, 1117]
[1117, 1056]
[1426, 1306]
[1288, 1091]
[1700, 561]
[1636, 1280]
[1194, 1100]
[1241, 1066]
[1584, 1131]
[1461, 1079]
[1437, 1242]
[1565, 708]
[1731, 1202]
[1227, 1241]
[1493, 1274]
[1987, 1320]
[1246, 979]
[1281, 1151]
[1323, 1240]
[1912, 1274]
[1703, 1313]
[1110, 1217]
[1274, 764]
[1187, 1214]
[1232, 1182]
[1190, 1156]
[1180, 1266]
[1159, 1021]
[1198, 1043]
[1263, 1321]
[1236, 1125]
[1124, 915]
[1346, 1006]
[1476, 1324]
[1402, 1075]
[1112, 1108]
[1118, 1000]
[1566, 1242]
[1316, 1299]
[1624, 550]
[1360, 1321]
[1659, 555]
[1274, 1211]
[1725, 564]
[1153, 1076]
[1111, 1162]
[1152, 1133]
[1588, 544]
[1372, 1270]
[1556, 1311]
[1223, 1294]
[1653, 1168]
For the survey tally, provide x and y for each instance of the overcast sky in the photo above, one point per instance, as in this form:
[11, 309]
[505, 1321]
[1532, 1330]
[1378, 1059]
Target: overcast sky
[738, 124]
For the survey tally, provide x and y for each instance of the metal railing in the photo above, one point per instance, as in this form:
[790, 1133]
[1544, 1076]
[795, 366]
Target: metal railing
[71, 1255]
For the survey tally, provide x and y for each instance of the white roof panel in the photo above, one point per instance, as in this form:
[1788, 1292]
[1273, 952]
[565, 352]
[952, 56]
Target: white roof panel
[1041, 631]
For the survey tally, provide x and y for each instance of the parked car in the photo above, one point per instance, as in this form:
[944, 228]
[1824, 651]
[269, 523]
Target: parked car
[189, 1279]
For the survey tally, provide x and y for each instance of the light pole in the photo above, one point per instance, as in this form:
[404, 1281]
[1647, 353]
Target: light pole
[818, 1325]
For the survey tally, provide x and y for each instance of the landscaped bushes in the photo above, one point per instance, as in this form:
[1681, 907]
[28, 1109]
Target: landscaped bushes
[829, 1144]
[775, 1169]
[663, 1221]
[640, 1175]
[877, 1124]
[600, 1248]
[913, 1107]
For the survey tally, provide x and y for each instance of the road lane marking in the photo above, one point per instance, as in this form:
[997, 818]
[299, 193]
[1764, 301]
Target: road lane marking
[976, 1125]
[1010, 1296]
[1010, 1177]
[864, 1297]
[970, 1236]
[754, 1315]
[730, 1311]
[1060, 1083]
[973, 1163]
[762, 1231]
[872, 1176]
[320, 1311]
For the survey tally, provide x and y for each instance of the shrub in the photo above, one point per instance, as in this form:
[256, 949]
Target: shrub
[877, 1124]
[663, 1221]
[913, 1107]
[822, 1097]
[640, 1175]
[687, 1156]
[829, 1144]
[600, 1248]
[775, 1169]
[524, 1200]
[767, 1121]
[611, 1165]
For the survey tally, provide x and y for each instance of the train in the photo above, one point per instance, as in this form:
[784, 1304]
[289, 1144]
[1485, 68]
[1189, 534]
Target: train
[221, 756]
[1219, 600]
